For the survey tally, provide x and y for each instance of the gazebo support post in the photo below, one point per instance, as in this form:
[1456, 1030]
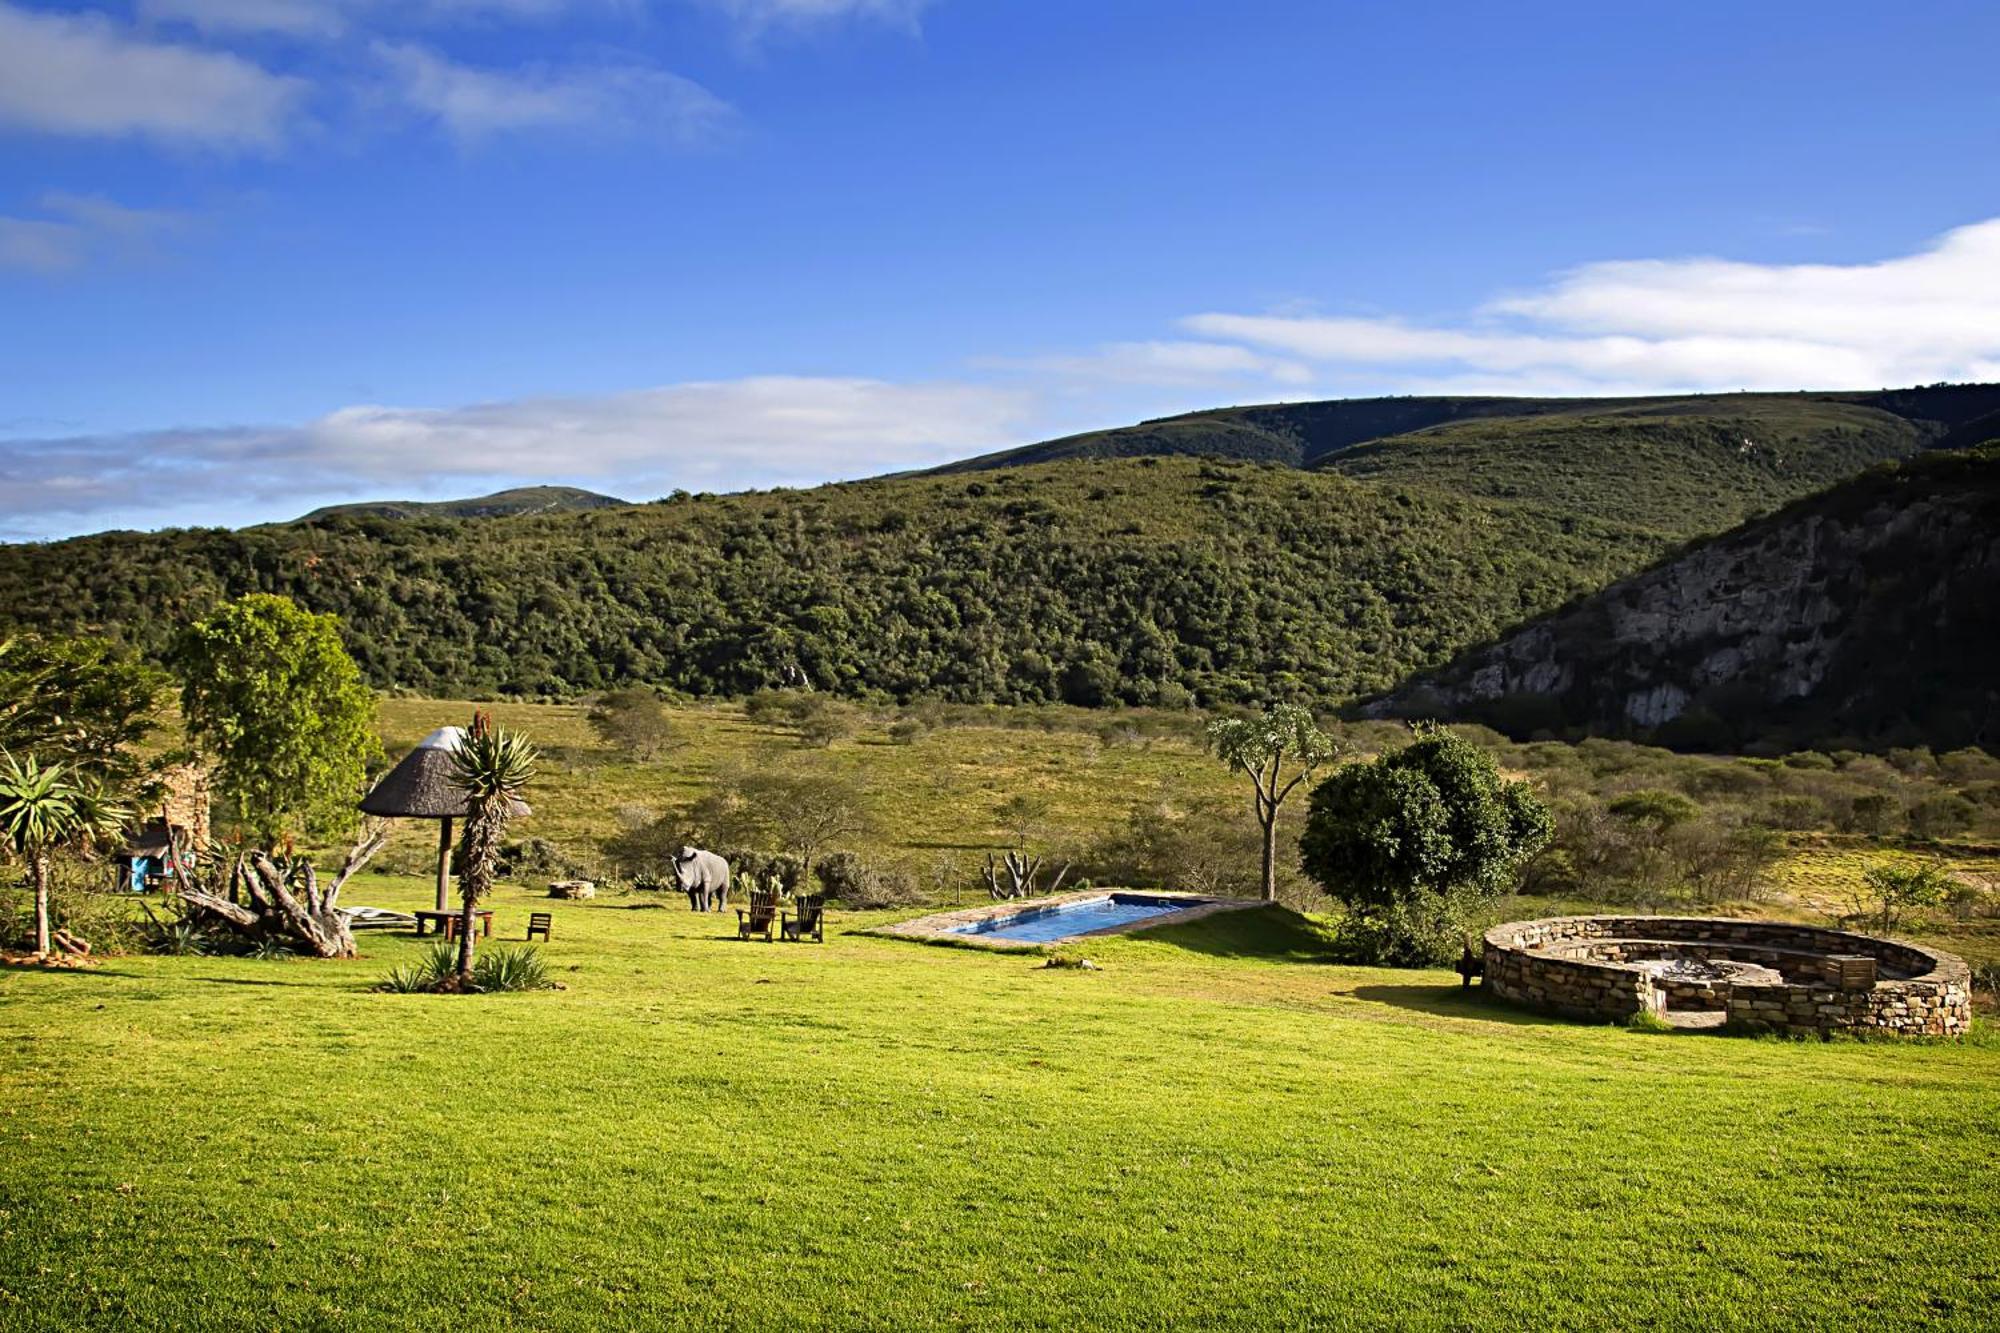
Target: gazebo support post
[444, 864]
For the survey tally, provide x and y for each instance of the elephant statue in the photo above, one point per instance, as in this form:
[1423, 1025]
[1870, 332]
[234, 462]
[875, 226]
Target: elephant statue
[703, 877]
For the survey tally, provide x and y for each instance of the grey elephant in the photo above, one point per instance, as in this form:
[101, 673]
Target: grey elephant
[703, 877]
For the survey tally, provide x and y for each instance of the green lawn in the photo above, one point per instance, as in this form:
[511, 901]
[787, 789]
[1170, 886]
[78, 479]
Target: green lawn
[1215, 1129]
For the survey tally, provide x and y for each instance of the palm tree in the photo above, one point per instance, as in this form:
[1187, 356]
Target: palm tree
[492, 767]
[44, 809]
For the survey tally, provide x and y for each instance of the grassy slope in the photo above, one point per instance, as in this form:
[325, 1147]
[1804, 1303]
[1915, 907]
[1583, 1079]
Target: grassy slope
[941, 793]
[1312, 433]
[1684, 468]
[1213, 1129]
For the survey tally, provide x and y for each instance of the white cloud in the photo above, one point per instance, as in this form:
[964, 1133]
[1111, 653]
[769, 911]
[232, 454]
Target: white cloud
[85, 75]
[770, 430]
[297, 18]
[759, 15]
[74, 228]
[1683, 324]
[325, 18]
[606, 99]
[1165, 363]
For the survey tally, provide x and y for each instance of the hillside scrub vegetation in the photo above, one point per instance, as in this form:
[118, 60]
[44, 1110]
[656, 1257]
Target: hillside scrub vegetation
[1142, 582]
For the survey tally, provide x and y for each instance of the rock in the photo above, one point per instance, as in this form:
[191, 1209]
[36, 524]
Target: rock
[572, 888]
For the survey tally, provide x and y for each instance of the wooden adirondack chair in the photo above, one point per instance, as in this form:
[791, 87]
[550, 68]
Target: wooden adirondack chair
[538, 924]
[761, 918]
[807, 919]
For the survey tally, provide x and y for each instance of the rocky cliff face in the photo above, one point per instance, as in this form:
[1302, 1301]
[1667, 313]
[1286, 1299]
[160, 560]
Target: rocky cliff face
[1870, 613]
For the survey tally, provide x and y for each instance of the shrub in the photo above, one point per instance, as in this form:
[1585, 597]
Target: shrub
[1428, 932]
[1873, 813]
[856, 883]
[522, 969]
[178, 937]
[907, 730]
[105, 920]
[1941, 816]
[634, 721]
[538, 858]
[1795, 811]
[438, 965]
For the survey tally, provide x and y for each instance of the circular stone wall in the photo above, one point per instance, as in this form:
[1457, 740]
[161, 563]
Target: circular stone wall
[1761, 974]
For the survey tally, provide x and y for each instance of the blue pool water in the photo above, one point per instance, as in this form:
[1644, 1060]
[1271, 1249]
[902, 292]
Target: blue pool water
[1042, 924]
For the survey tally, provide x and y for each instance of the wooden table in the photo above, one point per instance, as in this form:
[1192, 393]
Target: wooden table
[447, 922]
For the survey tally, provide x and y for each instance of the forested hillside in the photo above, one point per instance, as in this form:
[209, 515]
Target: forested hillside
[1094, 582]
[1866, 615]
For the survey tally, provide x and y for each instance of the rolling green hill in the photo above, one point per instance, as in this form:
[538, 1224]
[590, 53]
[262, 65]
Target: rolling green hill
[500, 504]
[1420, 528]
[1869, 614]
[1311, 434]
[1687, 468]
[1091, 582]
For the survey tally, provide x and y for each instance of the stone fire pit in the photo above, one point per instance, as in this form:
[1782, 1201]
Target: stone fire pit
[1769, 975]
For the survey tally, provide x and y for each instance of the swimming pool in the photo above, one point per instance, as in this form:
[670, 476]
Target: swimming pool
[1059, 921]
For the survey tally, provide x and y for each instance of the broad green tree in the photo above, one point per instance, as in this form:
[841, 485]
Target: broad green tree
[269, 691]
[493, 768]
[1408, 838]
[77, 702]
[45, 809]
[1277, 751]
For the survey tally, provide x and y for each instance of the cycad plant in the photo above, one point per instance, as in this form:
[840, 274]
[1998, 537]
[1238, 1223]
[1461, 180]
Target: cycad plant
[492, 767]
[44, 809]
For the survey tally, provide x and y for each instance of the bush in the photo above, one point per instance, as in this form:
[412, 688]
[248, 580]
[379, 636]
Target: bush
[105, 920]
[1941, 816]
[855, 883]
[439, 964]
[907, 731]
[1429, 932]
[633, 721]
[500, 970]
[538, 858]
[495, 971]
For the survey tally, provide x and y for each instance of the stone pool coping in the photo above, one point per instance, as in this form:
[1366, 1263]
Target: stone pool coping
[937, 927]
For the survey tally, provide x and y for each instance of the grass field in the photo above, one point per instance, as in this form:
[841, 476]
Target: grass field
[941, 793]
[1214, 1130]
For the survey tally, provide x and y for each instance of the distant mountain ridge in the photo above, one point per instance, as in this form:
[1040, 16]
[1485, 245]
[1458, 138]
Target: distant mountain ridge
[1310, 434]
[1869, 614]
[500, 504]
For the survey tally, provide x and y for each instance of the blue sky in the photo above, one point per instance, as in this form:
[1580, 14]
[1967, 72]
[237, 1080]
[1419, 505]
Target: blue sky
[256, 255]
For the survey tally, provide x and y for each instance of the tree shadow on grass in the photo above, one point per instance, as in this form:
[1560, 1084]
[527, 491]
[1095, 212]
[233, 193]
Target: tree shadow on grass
[1270, 932]
[1451, 1000]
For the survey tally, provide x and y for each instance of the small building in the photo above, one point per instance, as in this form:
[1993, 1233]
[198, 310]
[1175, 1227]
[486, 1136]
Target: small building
[147, 858]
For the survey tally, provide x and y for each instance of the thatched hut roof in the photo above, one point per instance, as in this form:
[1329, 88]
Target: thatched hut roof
[421, 786]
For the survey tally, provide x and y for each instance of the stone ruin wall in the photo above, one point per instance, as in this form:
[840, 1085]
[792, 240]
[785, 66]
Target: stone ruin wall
[1589, 968]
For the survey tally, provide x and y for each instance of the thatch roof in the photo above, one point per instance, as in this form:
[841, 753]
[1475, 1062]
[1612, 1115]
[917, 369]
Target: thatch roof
[421, 787]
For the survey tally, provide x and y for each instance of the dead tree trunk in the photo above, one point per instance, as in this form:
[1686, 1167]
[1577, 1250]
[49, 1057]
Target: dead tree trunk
[1021, 872]
[279, 901]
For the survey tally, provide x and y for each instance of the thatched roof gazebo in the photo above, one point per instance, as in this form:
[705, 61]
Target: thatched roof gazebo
[421, 787]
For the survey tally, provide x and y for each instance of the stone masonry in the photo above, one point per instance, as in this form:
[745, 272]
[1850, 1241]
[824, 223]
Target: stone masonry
[1767, 975]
